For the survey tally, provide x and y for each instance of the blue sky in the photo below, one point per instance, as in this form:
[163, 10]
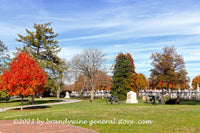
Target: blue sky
[139, 27]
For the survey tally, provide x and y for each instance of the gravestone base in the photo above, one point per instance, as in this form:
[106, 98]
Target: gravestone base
[133, 101]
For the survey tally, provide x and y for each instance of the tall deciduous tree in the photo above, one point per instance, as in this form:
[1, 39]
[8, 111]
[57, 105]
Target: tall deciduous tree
[88, 63]
[124, 76]
[142, 82]
[102, 80]
[4, 57]
[195, 82]
[169, 69]
[24, 77]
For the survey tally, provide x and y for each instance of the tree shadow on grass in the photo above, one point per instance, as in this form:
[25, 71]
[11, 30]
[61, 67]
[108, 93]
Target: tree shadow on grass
[33, 108]
[46, 101]
[189, 102]
[35, 102]
[13, 101]
[182, 102]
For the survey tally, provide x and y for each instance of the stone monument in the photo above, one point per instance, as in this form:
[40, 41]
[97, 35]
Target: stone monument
[67, 95]
[198, 87]
[131, 97]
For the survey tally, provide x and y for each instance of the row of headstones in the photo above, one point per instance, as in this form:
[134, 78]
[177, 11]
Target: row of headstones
[131, 97]
[179, 90]
[101, 93]
[186, 90]
[174, 94]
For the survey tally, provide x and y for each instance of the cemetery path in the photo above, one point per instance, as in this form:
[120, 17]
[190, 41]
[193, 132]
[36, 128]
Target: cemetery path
[64, 101]
[16, 126]
[9, 126]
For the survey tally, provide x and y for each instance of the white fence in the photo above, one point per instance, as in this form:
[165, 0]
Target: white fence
[182, 94]
[86, 94]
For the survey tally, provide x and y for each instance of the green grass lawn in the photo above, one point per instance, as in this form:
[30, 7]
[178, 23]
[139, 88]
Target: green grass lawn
[164, 118]
[13, 103]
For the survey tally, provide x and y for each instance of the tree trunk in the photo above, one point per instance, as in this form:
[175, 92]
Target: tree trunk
[92, 89]
[58, 92]
[7, 98]
[168, 86]
[22, 102]
[81, 94]
[92, 94]
[32, 99]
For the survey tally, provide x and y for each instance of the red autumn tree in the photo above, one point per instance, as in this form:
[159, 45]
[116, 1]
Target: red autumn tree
[24, 77]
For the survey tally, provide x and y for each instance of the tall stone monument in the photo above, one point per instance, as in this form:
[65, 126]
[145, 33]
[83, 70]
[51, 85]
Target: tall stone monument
[131, 97]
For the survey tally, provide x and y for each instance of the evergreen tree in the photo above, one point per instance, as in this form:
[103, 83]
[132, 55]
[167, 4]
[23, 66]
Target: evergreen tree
[58, 73]
[4, 57]
[132, 74]
[43, 47]
[41, 44]
[124, 76]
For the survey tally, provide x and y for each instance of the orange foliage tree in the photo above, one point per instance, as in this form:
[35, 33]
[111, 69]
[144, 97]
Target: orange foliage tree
[196, 81]
[24, 77]
[169, 70]
[142, 82]
[162, 85]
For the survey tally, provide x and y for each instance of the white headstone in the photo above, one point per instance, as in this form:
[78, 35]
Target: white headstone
[131, 97]
[67, 95]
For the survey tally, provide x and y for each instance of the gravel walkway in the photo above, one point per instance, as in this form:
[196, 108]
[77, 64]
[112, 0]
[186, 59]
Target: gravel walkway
[64, 101]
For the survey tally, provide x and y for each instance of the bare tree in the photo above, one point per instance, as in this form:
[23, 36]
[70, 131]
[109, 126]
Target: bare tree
[69, 75]
[101, 80]
[81, 84]
[88, 63]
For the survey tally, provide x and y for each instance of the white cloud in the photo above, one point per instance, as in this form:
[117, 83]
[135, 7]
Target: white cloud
[114, 25]
[68, 52]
